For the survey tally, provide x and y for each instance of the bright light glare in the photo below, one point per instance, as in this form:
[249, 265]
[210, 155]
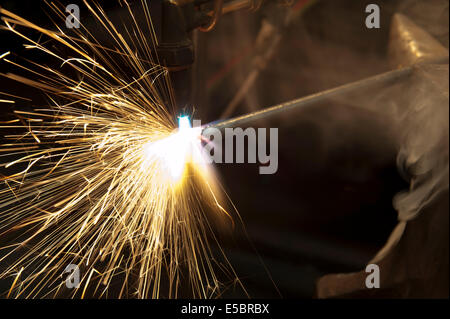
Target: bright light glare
[184, 123]
[175, 151]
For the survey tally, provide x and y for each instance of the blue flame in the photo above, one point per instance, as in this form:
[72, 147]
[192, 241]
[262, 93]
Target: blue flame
[184, 122]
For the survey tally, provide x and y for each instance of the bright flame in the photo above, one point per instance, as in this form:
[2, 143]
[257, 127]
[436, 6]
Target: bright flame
[183, 123]
[175, 151]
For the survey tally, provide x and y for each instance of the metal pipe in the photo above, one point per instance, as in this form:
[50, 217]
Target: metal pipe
[218, 4]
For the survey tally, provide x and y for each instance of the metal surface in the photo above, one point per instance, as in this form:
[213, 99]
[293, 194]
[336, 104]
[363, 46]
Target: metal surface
[420, 238]
[410, 44]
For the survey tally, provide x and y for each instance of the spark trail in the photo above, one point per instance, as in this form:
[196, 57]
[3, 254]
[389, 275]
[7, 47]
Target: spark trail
[103, 178]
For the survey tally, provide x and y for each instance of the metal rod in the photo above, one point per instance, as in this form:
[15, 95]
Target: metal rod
[313, 98]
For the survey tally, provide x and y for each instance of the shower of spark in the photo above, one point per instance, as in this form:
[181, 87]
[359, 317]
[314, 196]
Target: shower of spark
[102, 177]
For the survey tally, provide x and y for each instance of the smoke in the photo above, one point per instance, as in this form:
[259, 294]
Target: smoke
[424, 140]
